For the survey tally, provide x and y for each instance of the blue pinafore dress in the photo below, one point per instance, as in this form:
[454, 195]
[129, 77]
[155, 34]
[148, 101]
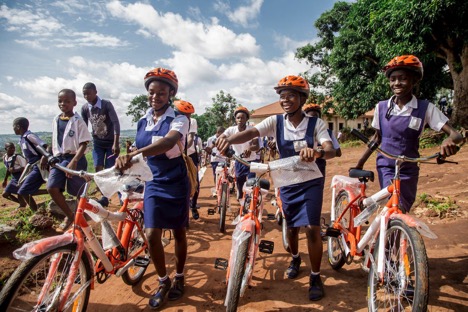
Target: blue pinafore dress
[400, 139]
[166, 198]
[33, 181]
[302, 202]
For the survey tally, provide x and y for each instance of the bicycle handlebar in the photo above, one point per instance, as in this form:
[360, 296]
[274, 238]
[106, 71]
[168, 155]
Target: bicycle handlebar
[374, 146]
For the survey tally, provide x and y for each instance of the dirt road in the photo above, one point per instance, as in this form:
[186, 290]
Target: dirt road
[345, 289]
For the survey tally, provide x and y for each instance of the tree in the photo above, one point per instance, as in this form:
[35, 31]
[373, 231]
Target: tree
[358, 39]
[221, 113]
[205, 128]
[138, 107]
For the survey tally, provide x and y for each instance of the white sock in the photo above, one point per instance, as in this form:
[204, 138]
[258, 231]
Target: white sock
[164, 278]
[314, 273]
[295, 256]
[179, 275]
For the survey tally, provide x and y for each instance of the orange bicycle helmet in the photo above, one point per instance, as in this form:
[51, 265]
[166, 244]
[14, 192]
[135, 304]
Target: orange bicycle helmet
[311, 106]
[293, 82]
[242, 109]
[184, 107]
[409, 62]
[162, 74]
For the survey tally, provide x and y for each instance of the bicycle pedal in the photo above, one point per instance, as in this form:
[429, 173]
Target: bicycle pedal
[332, 232]
[266, 246]
[142, 262]
[221, 264]
[211, 211]
[271, 216]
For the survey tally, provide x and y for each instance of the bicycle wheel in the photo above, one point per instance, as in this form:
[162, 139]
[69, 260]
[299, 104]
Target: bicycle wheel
[238, 270]
[223, 207]
[134, 243]
[336, 256]
[405, 285]
[37, 283]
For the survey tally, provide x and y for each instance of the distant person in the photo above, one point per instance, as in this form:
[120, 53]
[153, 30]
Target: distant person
[14, 165]
[245, 149]
[212, 151]
[187, 109]
[105, 130]
[28, 142]
[366, 123]
[70, 137]
[443, 104]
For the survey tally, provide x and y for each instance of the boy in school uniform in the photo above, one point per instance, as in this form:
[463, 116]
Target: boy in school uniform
[32, 183]
[105, 130]
[14, 164]
[70, 138]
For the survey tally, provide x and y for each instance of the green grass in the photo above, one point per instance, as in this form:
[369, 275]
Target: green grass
[442, 207]
[25, 232]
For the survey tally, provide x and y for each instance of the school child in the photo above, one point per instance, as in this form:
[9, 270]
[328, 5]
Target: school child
[70, 137]
[314, 110]
[242, 115]
[105, 130]
[14, 165]
[166, 199]
[296, 134]
[399, 122]
[215, 156]
[187, 109]
[28, 142]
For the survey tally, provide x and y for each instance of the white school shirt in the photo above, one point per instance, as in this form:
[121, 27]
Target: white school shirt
[434, 117]
[180, 123]
[268, 128]
[217, 157]
[240, 148]
[20, 161]
[76, 132]
[193, 129]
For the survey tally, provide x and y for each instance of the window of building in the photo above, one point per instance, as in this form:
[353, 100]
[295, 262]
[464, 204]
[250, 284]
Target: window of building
[330, 126]
[359, 126]
[341, 126]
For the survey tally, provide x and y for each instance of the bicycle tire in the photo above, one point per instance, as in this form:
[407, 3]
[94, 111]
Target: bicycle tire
[223, 207]
[238, 270]
[406, 284]
[135, 241]
[284, 234]
[22, 290]
[336, 255]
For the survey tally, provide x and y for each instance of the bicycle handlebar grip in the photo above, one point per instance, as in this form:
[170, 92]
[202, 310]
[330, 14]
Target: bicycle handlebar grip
[360, 136]
[51, 159]
[229, 152]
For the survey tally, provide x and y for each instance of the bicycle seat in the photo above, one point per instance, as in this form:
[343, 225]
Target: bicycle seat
[358, 173]
[264, 184]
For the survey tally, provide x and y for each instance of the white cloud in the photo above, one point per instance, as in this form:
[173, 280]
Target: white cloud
[28, 22]
[244, 15]
[213, 41]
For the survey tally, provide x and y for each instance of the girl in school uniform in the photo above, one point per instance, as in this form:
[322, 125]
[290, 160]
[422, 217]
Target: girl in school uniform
[296, 133]
[166, 199]
[400, 121]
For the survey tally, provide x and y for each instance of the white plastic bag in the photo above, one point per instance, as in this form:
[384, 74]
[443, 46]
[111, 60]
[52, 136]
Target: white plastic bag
[293, 170]
[110, 180]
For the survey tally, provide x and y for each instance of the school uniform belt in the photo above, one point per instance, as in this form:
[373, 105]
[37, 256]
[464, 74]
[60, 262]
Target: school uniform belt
[65, 155]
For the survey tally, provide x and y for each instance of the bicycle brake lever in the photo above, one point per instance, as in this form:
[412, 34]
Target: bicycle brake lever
[441, 161]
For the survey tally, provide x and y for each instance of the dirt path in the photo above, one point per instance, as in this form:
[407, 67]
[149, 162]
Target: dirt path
[345, 289]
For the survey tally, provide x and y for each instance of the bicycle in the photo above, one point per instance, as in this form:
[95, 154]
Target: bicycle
[224, 179]
[392, 246]
[280, 219]
[57, 273]
[246, 240]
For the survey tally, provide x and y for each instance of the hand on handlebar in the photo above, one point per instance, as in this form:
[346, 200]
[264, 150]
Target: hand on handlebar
[307, 154]
[222, 145]
[448, 148]
[123, 162]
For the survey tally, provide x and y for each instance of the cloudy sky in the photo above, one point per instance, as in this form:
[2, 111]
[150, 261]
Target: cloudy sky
[242, 47]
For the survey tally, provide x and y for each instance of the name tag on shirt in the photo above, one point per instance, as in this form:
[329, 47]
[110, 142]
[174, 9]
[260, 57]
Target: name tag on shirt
[415, 123]
[298, 145]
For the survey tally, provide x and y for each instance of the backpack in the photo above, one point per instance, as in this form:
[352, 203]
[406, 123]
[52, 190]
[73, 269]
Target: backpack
[191, 170]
